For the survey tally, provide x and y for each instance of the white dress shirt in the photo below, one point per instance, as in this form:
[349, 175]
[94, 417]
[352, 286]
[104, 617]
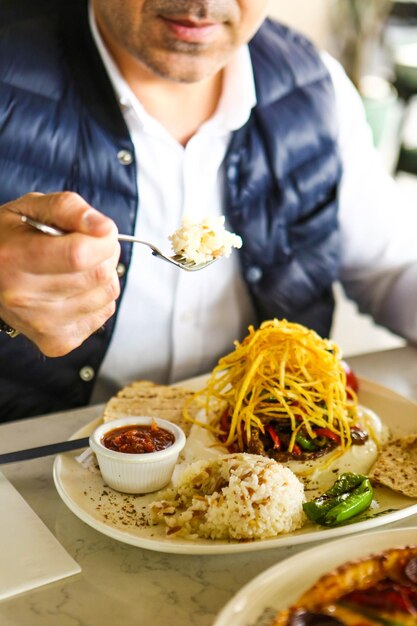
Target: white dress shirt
[173, 324]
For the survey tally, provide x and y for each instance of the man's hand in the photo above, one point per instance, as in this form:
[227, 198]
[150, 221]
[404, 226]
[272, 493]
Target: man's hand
[57, 290]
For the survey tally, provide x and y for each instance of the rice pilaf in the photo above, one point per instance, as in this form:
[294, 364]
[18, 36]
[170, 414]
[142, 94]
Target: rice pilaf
[239, 496]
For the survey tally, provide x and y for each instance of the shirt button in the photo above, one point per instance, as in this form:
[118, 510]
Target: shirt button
[121, 270]
[254, 274]
[124, 102]
[125, 157]
[87, 373]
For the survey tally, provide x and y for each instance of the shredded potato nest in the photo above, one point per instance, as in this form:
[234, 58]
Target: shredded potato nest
[281, 370]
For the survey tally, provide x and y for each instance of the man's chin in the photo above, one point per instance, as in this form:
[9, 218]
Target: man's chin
[184, 68]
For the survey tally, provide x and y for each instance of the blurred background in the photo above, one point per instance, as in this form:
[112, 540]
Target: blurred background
[376, 41]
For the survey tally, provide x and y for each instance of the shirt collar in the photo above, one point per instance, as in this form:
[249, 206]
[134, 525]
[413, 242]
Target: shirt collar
[236, 102]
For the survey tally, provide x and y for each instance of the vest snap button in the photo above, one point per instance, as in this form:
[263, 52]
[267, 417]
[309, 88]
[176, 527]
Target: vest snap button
[87, 373]
[232, 172]
[254, 274]
[125, 157]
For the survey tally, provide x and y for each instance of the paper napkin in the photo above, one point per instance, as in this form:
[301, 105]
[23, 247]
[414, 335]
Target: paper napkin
[30, 555]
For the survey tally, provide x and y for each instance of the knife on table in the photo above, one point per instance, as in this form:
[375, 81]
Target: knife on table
[51, 448]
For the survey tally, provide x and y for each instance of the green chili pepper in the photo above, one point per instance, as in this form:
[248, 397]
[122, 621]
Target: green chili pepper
[317, 509]
[305, 443]
[350, 495]
[358, 501]
[345, 482]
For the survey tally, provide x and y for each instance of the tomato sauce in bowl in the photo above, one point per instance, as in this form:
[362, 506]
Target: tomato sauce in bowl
[137, 454]
[138, 439]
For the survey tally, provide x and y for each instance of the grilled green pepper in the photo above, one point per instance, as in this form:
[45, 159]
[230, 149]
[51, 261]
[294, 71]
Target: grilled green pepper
[357, 501]
[346, 482]
[305, 443]
[350, 495]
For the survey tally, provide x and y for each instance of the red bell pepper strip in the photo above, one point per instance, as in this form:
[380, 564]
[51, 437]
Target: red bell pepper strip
[274, 436]
[329, 434]
[351, 380]
[296, 450]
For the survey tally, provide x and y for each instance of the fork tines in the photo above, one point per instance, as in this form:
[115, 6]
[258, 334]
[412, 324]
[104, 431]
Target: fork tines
[184, 261]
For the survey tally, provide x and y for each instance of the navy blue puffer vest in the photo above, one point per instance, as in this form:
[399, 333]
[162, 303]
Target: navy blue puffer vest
[61, 129]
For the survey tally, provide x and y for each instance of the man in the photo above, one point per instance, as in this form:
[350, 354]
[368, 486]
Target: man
[126, 114]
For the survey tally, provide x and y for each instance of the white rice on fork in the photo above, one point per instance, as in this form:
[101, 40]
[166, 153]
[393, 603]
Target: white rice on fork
[204, 241]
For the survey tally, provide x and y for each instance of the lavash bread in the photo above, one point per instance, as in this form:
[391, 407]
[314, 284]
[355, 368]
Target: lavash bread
[146, 398]
[396, 466]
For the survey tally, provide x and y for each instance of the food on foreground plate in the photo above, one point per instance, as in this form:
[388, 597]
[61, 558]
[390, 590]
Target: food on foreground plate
[281, 398]
[396, 466]
[138, 438]
[146, 398]
[282, 393]
[374, 591]
[204, 241]
[350, 495]
[239, 496]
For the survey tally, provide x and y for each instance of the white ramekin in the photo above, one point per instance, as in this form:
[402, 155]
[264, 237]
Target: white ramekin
[137, 473]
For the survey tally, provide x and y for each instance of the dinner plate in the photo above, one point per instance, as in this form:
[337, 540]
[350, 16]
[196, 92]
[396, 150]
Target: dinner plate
[121, 516]
[279, 586]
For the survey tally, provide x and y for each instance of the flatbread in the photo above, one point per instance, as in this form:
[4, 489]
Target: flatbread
[146, 398]
[396, 565]
[396, 466]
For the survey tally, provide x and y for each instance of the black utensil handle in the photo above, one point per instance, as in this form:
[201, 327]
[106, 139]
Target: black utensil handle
[52, 448]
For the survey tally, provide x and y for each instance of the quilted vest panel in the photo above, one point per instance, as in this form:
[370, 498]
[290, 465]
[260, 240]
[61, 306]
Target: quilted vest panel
[61, 128]
[283, 170]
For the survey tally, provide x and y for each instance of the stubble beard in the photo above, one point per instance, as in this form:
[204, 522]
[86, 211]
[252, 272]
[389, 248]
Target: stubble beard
[171, 58]
[190, 64]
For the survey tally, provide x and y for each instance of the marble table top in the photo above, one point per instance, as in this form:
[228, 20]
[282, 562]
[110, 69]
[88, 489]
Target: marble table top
[125, 585]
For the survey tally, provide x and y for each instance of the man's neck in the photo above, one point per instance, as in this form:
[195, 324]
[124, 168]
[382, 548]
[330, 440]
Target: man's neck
[180, 107]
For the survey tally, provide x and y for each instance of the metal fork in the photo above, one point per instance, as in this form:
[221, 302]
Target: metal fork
[177, 259]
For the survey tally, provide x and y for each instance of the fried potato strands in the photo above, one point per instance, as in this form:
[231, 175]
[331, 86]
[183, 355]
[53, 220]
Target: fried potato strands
[281, 370]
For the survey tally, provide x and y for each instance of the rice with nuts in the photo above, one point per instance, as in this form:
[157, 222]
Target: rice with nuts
[238, 496]
[205, 240]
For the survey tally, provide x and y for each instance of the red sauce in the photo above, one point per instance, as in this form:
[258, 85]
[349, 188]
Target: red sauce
[138, 439]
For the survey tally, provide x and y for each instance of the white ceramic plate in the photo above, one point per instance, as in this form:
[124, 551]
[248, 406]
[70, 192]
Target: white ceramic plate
[119, 515]
[279, 586]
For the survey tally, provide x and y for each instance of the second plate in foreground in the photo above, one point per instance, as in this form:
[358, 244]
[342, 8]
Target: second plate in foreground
[279, 586]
